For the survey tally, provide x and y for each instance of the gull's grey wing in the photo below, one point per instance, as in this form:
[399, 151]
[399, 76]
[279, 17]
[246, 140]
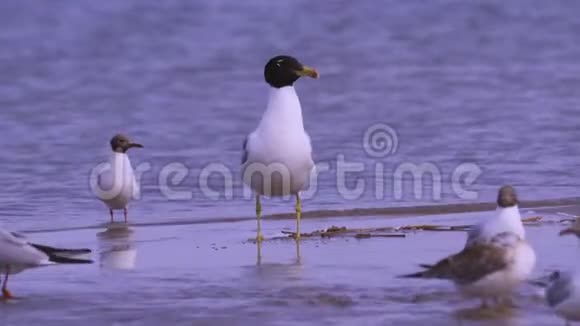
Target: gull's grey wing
[18, 235]
[12, 238]
[476, 262]
[245, 150]
[560, 288]
[470, 265]
[16, 250]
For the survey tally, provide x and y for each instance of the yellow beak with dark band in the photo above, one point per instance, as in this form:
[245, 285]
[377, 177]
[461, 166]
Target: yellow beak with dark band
[308, 72]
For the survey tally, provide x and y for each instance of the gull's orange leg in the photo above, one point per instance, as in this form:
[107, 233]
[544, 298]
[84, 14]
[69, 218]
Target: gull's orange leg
[5, 293]
[111, 213]
[125, 214]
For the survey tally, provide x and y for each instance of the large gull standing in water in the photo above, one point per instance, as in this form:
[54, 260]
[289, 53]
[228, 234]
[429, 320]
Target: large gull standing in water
[277, 158]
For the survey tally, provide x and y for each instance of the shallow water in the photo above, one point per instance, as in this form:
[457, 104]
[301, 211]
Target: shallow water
[489, 83]
[208, 274]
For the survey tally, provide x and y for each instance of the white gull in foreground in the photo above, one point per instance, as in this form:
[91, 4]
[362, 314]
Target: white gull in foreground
[487, 270]
[116, 184]
[17, 254]
[506, 219]
[277, 158]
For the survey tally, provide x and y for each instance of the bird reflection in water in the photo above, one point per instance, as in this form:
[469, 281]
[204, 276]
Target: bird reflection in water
[259, 253]
[117, 249]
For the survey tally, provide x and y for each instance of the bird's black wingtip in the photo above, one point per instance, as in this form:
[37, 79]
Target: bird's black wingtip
[420, 274]
[63, 255]
[67, 260]
[60, 251]
[413, 275]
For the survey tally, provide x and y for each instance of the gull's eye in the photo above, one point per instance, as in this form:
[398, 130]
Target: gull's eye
[279, 62]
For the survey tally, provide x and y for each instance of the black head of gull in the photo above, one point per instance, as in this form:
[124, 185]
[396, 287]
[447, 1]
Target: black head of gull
[284, 70]
[507, 197]
[121, 144]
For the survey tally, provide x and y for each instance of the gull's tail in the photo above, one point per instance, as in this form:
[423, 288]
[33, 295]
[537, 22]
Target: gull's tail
[64, 256]
[421, 274]
[440, 270]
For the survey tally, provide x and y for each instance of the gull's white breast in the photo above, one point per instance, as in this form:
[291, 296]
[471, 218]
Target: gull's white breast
[279, 150]
[117, 183]
[505, 220]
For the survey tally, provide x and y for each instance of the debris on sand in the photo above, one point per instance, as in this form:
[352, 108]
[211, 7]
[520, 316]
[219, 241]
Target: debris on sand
[343, 231]
[389, 231]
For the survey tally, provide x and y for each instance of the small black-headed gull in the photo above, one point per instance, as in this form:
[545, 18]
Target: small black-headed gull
[17, 254]
[487, 270]
[117, 184]
[277, 157]
[507, 218]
